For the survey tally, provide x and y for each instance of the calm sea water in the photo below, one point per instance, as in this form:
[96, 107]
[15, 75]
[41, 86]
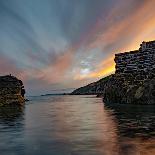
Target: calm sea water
[77, 125]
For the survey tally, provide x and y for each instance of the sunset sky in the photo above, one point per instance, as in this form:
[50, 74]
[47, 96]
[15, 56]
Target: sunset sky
[59, 44]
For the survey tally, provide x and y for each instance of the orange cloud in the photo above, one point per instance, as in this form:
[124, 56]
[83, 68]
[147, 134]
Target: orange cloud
[105, 68]
[124, 35]
[119, 35]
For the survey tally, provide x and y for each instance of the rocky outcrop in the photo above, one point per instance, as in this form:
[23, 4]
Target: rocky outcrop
[11, 91]
[133, 81]
[117, 90]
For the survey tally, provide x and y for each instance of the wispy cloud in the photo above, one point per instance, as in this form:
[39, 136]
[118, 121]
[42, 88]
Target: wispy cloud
[57, 44]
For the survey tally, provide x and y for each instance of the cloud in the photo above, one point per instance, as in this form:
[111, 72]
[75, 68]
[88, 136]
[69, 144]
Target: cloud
[57, 44]
[104, 68]
[115, 38]
[123, 33]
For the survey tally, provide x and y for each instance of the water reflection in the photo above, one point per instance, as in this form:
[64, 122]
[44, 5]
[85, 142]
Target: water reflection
[135, 120]
[136, 128]
[10, 115]
[77, 125]
[82, 127]
[11, 130]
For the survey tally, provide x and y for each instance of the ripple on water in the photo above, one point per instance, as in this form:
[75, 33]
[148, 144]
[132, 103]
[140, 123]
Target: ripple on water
[77, 125]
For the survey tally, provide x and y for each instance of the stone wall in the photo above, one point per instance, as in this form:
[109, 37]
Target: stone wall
[140, 64]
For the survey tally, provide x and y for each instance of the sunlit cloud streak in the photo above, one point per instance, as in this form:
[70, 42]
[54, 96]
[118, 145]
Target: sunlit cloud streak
[56, 44]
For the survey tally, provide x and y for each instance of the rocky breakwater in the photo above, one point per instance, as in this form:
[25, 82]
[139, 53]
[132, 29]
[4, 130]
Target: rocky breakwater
[11, 91]
[134, 79]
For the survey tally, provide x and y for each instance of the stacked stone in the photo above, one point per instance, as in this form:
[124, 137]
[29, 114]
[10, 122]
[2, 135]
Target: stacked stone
[126, 62]
[136, 66]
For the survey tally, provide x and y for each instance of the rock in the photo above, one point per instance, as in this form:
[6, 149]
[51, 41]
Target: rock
[26, 100]
[116, 91]
[117, 88]
[11, 91]
[139, 92]
[133, 81]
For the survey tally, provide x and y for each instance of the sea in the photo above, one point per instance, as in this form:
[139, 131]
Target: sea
[76, 125]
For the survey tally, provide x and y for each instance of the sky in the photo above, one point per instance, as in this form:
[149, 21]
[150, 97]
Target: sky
[59, 45]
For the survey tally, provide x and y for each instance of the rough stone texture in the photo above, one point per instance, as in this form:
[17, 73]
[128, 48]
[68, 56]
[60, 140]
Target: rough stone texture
[117, 91]
[133, 81]
[140, 61]
[11, 91]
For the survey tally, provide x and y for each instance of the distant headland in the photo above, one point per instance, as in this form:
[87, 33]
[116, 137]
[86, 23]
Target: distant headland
[133, 81]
